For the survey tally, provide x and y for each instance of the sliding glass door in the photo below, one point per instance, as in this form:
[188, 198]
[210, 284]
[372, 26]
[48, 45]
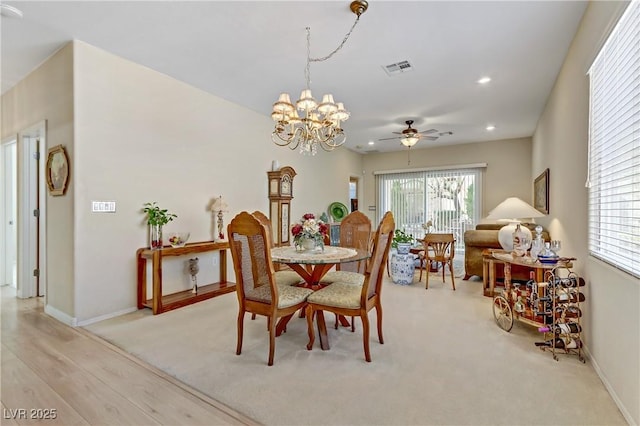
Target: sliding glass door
[450, 199]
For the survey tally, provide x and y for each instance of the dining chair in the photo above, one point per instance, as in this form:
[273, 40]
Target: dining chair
[439, 248]
[256, 286]
[283, 277]
[355, 232]
[356, 300]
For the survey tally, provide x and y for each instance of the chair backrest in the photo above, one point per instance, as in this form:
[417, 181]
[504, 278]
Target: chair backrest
[439, 246]
[250, 246]
[355, 232]
[264, 220]
[380, 250]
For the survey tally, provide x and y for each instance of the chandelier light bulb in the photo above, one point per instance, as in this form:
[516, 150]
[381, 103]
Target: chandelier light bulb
[317, 124]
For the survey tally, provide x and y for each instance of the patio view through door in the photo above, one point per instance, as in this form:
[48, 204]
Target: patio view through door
[449, 198]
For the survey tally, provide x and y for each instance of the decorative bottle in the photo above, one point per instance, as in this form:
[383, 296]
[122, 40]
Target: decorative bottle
[537, 244]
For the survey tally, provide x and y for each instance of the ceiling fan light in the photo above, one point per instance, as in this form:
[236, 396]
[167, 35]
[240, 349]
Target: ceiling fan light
[409, 141]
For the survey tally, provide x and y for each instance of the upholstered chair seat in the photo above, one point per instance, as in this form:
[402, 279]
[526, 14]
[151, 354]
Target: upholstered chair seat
[338, 294]
[345, 277]
[287, 278]
[287, 295]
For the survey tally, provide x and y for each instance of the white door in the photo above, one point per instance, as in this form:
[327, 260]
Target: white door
[9, 214]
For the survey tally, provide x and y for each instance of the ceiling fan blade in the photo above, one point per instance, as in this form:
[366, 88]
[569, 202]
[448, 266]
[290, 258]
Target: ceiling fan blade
[429, 138]
[426, 132]
[388, 139]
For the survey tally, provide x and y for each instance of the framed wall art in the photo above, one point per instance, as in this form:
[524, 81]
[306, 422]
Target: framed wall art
[57, 170]
[541, 192]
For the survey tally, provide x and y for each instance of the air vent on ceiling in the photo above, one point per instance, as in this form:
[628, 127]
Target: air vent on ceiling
[398, 68]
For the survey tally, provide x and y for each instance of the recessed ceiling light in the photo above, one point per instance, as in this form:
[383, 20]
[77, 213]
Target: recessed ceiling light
[371, 143]
[484, 80]
[491, 127]
[10, 11]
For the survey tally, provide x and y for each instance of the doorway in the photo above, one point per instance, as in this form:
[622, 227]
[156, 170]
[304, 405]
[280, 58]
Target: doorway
[9, 213]
[22, 202]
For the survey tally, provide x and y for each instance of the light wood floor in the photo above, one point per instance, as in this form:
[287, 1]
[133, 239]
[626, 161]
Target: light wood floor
[49, 366]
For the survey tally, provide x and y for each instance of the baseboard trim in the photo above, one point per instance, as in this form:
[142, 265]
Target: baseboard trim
[106, 316]
[60, 316]
[625, 413]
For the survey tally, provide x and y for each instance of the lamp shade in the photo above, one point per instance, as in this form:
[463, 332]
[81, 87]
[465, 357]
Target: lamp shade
[512, 210]
[409, 141]
[220, 205]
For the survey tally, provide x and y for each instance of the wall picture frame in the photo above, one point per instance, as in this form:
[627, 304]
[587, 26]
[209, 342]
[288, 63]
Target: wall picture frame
[541, 192]
[57, 170]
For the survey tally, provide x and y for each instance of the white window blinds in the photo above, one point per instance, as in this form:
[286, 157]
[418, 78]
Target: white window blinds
[614, 147]
[450, 199]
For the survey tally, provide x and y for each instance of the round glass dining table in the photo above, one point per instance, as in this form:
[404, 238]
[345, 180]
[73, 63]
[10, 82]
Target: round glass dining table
[312, 265]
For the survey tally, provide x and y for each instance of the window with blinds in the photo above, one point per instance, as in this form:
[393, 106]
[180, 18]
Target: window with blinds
[614, 147]
[450, 199]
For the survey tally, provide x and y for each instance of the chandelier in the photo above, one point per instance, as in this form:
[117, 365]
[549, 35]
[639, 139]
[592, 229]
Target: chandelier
[317, 123]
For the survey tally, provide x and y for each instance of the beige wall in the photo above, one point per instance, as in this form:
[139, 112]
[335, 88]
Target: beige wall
[47, 94]
[612, 319]
[504, 158]
[142, 136]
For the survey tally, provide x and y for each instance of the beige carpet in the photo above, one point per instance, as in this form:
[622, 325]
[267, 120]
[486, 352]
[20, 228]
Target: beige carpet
[444, 361]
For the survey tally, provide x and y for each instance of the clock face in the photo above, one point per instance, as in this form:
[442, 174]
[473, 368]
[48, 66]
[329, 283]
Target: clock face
[285, 186]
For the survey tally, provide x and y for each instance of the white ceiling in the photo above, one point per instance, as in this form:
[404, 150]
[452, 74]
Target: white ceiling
[249, 52]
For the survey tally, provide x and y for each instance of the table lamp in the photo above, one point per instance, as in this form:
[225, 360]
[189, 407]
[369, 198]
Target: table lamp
[512, 210]
[220, 206]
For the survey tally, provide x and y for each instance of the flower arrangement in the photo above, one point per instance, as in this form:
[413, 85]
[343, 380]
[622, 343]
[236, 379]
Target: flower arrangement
[309, 229]
[427, 226]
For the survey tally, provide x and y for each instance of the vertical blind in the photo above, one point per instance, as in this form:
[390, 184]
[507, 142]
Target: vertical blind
[450, 199]
[614, 147]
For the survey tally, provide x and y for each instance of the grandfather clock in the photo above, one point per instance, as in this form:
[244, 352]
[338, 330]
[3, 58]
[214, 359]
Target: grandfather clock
[280, 195]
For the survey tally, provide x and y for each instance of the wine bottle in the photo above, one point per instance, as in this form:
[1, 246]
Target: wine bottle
[560, 343]
[562, 328]
[568, 311]
[569, 282]
[563, 296]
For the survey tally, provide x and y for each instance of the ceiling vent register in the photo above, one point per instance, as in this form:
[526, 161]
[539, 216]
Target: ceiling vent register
[398, 68]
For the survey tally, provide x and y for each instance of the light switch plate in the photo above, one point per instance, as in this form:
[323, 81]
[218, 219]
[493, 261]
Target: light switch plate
[103, 206]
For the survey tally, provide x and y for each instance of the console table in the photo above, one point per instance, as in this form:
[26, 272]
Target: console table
[160, 303]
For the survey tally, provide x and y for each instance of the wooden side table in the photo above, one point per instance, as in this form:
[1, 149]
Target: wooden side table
[489, 263]
[159, 302]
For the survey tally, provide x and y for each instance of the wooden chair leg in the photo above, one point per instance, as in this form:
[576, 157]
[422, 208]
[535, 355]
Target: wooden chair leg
[453, 283]
[310, 331]
[379, 317]
[365, 336]
[240, 331]
[427, 277]
[272, 340]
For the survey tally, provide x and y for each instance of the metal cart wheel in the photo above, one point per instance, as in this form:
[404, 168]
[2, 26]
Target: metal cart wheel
[502, 313]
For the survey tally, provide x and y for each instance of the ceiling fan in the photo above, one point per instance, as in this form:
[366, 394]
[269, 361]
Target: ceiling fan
[410, 136]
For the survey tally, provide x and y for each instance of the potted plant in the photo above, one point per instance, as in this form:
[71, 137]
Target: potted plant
[156, 219]
[402, 241]
[402, 263]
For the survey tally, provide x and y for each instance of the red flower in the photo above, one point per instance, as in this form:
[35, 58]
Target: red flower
[308, 216]
[323, 228]
[297, 228]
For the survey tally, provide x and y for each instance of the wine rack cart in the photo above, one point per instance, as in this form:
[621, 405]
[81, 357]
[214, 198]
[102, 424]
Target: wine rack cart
[550, 301]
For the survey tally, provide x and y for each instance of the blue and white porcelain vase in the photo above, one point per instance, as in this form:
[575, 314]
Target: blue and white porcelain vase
[402, 265]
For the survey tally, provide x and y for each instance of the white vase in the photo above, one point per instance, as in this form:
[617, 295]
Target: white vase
[308, 244]
[402, 268]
